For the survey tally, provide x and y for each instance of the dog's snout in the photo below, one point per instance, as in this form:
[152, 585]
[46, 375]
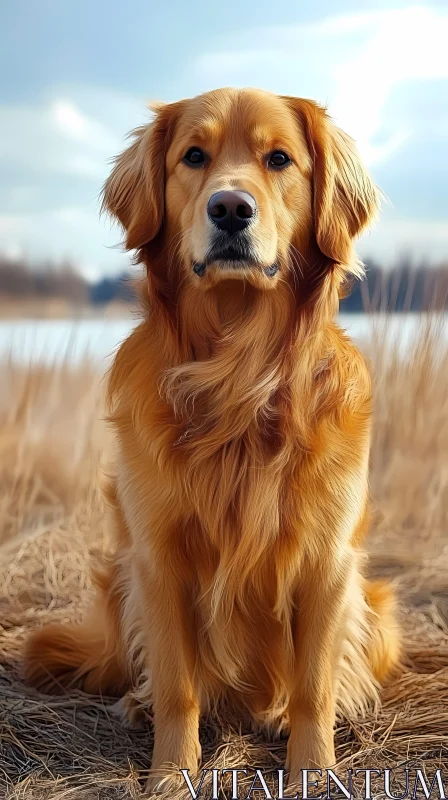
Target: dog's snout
[231, 211]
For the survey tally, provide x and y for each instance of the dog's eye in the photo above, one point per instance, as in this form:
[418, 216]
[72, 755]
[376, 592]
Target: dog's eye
[278, 159]
[194, 157]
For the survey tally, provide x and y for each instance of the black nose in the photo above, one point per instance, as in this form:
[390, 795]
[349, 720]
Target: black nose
[231, 211]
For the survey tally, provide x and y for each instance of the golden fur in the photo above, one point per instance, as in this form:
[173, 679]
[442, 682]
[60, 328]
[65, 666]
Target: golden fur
[243, 420]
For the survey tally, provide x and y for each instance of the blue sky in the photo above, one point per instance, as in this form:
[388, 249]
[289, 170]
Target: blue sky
[76, 76]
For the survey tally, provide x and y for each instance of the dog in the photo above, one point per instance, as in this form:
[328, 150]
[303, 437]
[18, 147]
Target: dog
[242, 414]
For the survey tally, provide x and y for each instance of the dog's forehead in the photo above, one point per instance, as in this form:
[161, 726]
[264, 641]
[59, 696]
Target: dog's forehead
[258, 117]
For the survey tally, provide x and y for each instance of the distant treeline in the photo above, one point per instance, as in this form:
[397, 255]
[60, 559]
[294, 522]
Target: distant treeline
[22, 280]
[402, 287]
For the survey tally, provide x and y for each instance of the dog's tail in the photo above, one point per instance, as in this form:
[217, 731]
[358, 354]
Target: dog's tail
[90, 655]
[68, 656]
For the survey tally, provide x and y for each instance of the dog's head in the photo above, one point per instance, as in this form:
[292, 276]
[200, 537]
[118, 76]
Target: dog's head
[242, 184]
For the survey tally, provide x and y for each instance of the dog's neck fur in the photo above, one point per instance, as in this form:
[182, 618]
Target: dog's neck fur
[236, 353]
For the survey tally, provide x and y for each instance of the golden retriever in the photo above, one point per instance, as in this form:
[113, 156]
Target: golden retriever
[242, 414]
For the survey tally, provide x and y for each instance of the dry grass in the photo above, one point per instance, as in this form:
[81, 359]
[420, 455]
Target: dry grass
[51, 445]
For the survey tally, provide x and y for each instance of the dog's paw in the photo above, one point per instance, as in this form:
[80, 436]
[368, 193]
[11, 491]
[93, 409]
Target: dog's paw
[163, 785]
[165, 776]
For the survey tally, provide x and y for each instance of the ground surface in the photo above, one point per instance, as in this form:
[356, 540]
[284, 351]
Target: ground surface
[53, 447]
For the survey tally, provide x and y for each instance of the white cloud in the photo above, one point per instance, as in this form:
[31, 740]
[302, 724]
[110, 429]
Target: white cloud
[353, 62]
[59, 136]
[73, 232]
[77, 126]
[39, 139]
[401, 46]
[70, 119]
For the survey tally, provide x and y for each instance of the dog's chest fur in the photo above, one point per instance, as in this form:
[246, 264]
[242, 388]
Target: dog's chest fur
[209, 458]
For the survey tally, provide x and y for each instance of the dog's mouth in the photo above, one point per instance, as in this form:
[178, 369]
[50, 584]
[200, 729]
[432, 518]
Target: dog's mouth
[235, 254]
[233, 249]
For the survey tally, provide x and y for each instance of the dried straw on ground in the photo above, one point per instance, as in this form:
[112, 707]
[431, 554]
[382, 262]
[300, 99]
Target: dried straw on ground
[53, 446]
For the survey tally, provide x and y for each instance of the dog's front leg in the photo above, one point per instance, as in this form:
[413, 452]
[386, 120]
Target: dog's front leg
[320, 603]
[171, 642]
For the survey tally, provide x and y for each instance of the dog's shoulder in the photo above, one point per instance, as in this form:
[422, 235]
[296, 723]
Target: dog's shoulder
[132, 366]
[343, 376]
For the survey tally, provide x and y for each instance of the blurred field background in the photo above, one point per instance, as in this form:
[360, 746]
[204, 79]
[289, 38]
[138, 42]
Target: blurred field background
[54, 447]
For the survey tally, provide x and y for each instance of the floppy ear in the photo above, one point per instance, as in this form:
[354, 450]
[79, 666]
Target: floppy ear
[345, 198]
[134, 193]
